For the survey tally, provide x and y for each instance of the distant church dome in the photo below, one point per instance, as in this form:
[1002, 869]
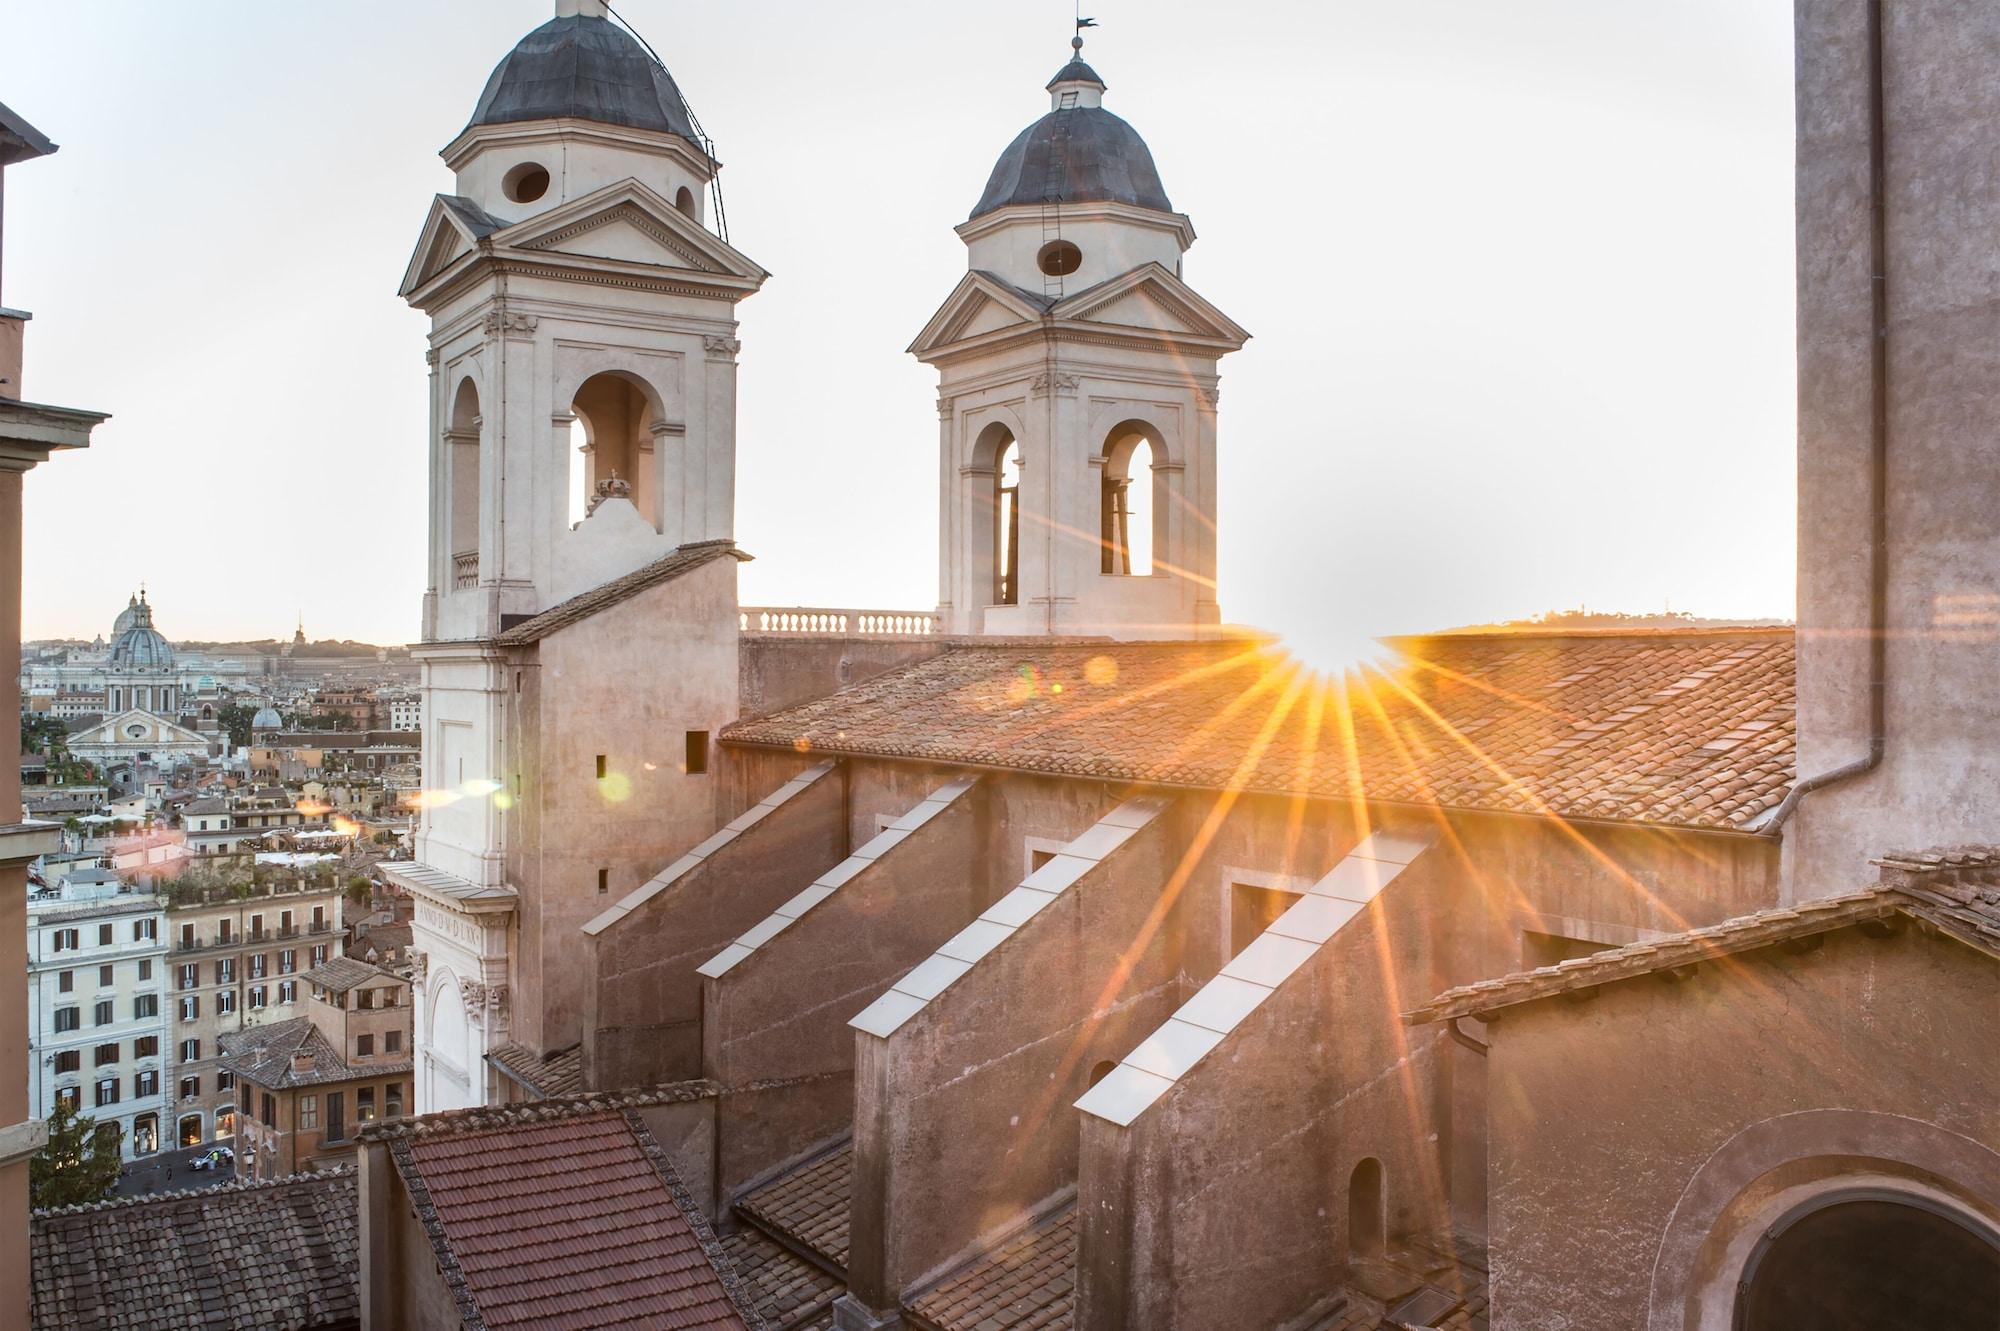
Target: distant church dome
[138, 645]
[125, 617]
[267, 718]
[587, 68]
[1097, 157]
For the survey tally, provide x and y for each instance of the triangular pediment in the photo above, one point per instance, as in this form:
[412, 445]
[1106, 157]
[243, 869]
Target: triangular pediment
[629, 223]
[1155, 300]
[978, 305]
[452, 230]
[138, 726]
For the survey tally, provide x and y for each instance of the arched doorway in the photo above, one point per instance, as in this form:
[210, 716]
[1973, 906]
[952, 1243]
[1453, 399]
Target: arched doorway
[1367, 1217]
[1871, 1261]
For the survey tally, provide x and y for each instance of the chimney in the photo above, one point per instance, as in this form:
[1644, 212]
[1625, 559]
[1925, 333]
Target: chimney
[302, 1061]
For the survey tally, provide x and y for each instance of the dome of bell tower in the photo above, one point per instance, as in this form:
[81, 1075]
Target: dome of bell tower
[1077, 153]
[582, 66]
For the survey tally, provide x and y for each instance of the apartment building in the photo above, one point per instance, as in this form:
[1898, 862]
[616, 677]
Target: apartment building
[310, 1083]
[233, 965]
[97, 1021]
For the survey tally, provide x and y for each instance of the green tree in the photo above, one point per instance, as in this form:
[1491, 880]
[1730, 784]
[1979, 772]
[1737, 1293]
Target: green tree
[78, 1166]
[235, 718]
[357, 889]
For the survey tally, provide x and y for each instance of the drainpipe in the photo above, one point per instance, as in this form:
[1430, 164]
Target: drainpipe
[1878, 459]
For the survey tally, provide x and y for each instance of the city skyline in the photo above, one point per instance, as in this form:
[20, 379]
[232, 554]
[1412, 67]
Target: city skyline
[1449, 232]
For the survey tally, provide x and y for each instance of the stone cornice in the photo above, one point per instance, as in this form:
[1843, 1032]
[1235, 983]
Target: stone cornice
[563, 132]
[30, 431]
[1176, 223]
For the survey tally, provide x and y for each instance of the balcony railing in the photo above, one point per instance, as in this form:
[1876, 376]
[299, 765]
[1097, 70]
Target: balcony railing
[817, 622]
[465, 570]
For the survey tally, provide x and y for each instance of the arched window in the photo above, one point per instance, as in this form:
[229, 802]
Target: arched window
[616, 417]
[1126, 505]
[462, 463]
[1367, 1220]
[684, 200]
[1101, 1071]
[1873, 1259]
[995, 473]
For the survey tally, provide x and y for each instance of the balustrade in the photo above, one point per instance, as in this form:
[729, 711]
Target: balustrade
[820, 622]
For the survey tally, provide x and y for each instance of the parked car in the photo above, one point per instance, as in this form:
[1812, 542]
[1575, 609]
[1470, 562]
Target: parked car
[216, 1157]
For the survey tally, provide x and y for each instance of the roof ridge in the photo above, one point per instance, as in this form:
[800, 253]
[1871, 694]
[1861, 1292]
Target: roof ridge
[489, 1118]
[331, 1174]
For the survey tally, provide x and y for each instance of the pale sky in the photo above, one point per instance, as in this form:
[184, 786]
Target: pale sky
[1519, 274]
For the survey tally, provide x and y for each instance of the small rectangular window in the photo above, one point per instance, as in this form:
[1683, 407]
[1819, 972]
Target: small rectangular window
[697, 752]
[601, 769]
[104, 935]
[392, 1042]
[65, 981]
[308, 1113]
[103, 1015]
[364, 1046]
[69, 1060]
[105, 1053]
[603, 881]
[106, 976]
[146, 1046]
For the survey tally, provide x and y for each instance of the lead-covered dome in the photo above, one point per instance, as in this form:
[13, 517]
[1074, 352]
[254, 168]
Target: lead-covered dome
[140, 646]
[267, 718]
[1079, 153]
[583, 68]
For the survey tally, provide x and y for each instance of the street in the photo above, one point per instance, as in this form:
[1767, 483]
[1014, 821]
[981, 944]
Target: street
[169, 1171]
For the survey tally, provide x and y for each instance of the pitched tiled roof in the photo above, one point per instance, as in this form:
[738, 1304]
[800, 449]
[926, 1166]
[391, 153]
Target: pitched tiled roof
[246, 1257]
[789, 1291]
[572, 1220]
[343, 973]
[1958, 891]
[1680, 727]
[559, 1073]
[263, 1054]
[486, 1118]
[807, 1207]
[1028, 1281]
[578, 608]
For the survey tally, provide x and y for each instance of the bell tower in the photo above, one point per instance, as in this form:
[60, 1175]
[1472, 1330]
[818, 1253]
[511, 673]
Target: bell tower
[582, 299]
[1077, 392]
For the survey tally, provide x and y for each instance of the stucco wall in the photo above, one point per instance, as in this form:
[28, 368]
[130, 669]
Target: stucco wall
[1225, 1203]
[642, 1024]
[778, 672]
[781, 1013]
[962, 1118]
[1604, 1113]
[599, 687]
[1940, 780]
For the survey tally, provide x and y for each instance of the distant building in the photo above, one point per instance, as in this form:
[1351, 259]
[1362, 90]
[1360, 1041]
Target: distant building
[310, 1083]
[97, 1017]
[236, 965]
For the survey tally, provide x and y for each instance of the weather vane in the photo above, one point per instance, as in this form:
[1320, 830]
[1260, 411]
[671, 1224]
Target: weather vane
[1076, 42]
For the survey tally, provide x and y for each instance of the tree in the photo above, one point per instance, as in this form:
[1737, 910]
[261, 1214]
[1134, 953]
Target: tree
[235, 718]
[357, 889]
[78, 1166]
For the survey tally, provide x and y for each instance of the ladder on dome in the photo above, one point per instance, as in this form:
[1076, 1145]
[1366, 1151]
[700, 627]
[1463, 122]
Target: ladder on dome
[721, 223]
[1054, 178]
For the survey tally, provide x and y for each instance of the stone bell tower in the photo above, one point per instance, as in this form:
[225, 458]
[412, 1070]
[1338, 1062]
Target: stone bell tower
[1077, 392]
[582, 298]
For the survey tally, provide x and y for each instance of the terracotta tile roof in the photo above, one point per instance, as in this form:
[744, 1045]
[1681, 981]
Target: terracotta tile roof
[485, 1118]
[572, 1221]
[1028, 1281]
[1683, 727]
[245, 1257]
[788, 1290]
[264, 1055]
[807, 1207]
[618, 590]
[1956, 890]
[343, 973]
[1419, 1286]
[559, 1073]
